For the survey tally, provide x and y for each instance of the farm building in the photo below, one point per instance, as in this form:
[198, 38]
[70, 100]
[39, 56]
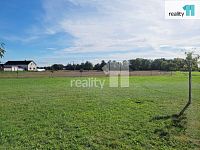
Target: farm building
[20, 66]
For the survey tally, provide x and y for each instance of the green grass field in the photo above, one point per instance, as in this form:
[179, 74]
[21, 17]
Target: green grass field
[47, 113]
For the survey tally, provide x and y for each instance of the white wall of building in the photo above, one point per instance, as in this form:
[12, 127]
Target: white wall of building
[7, 69]
[14, 68]
[32, 67]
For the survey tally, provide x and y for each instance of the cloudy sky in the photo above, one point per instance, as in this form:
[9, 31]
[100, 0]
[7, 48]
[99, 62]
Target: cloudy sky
[63, 31]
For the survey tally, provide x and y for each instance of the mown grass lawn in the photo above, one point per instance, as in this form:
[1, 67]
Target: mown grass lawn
[47, 113]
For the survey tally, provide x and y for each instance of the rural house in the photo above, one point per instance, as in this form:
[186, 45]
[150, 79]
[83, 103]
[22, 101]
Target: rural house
[20, 66]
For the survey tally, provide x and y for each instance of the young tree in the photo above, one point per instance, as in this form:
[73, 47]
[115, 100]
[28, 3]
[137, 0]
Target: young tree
[2, 49]
[191, 57]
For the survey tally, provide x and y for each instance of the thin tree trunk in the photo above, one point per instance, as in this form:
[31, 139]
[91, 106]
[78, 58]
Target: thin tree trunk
[190, 91]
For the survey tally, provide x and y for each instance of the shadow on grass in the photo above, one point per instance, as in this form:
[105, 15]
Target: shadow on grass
[173, 125]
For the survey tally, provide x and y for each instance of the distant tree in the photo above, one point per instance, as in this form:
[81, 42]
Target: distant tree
[97, 67]
[69, 67]
[56, 67]
[74, 66]
[103, 63]
[78, 67]
[180, 63]
[88, 66]
[82, 65]
[156, 64]
[146, 64]
[133, 64]
[140, 64]
[172, 66]
[176, 64]
[47, 68]
[164, 65]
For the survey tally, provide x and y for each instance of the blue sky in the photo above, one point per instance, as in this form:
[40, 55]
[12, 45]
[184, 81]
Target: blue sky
[62, 31]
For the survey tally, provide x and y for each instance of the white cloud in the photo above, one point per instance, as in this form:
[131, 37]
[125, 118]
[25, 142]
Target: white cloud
[116, 25]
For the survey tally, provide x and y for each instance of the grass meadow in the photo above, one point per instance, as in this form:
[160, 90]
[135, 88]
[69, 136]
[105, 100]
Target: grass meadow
[47, 113]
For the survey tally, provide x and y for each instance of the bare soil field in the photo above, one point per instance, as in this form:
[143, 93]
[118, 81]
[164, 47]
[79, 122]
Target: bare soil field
[75, 74]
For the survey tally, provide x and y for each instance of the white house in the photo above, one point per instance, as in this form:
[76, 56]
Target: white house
[20, 66]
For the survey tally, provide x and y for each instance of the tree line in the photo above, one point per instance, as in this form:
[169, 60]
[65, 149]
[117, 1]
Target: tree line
[138, 64]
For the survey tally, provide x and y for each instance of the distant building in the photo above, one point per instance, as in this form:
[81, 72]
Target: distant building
[40, 70]
[20, 66]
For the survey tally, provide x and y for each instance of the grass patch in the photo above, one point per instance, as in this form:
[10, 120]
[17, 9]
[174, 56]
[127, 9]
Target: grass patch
[46, 113]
